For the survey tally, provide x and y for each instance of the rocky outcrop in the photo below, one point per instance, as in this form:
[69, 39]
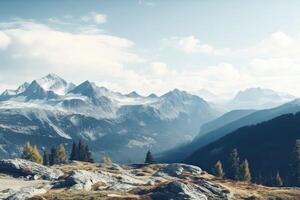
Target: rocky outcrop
[158, 181]
[85, 180]
[182, 189]
[177, 169]
[81, 180]
[28, 169]
[176, 191]
[23, 193]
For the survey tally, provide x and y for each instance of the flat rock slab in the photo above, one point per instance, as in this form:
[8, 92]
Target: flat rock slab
[176, 190]
[177, 169]
[19, 189]
[27, 168]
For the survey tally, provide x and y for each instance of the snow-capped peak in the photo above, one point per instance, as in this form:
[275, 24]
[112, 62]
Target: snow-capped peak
[176, 94]
[152, 95]
[22, 88]
[133, 94]
[86, 88]
[53, 82]
[19, 90]
[254, 93]
[259, 98]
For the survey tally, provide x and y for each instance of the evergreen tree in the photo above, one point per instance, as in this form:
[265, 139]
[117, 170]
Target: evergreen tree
[149, 158]
[61, 154]
[46, 158]
[81, 151]
[88, 155]
[74, 152]
[277, 180]
[296, 164]
[58, 155]
[259, 178]
[218, 170]
[31, 153]
[234, 165]
[245, 171]
[53, 156]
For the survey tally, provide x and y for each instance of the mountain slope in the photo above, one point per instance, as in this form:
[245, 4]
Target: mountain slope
[267, 146]
[223, 120]
[180, 152]
[216, 133]
[256, 117]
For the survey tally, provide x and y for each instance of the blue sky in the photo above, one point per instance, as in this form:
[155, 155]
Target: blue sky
[153, 46]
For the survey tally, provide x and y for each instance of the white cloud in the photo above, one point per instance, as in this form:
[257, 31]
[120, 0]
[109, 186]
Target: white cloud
[160, 69]
[192, 45]
[100, 18]
[65, 48]
[90, 53]
[55, 20]
[96, 56]
[273, 62]
[277, 45]
[97, 18]
[4, 40]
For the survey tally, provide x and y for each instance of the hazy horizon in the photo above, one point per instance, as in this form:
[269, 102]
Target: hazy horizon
[153, 46]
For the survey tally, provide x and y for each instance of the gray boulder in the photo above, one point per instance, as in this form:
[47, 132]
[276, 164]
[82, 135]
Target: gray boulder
[24, 193]
[177, 169]
[27, 168]
[176, 191]
[84, 180]
[211, 190]
[81, 180]
[111, 166]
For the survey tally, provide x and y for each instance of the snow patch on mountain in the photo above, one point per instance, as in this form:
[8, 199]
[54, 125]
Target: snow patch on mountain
[141, 142]
[50, 111]
[54, 83]
[259, 98]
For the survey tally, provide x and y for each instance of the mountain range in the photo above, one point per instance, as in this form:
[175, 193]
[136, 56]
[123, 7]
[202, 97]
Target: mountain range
[50, 110]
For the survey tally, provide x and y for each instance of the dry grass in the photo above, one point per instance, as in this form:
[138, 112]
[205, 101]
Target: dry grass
[250, 191]
[76, 165]
[236, 190]
[66, 168]
[91, 195]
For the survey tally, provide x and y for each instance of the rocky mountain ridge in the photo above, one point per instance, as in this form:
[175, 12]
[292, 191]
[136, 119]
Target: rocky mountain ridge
[50, 110]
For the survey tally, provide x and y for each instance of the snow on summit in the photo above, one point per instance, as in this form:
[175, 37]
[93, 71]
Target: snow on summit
[54, 83]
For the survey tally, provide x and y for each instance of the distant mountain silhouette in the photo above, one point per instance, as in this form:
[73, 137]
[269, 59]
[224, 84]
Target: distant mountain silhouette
[267, 146]
[259, 98]
[229, 122]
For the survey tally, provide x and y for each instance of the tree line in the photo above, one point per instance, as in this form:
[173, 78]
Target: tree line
[241, 171]
[57, 154]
